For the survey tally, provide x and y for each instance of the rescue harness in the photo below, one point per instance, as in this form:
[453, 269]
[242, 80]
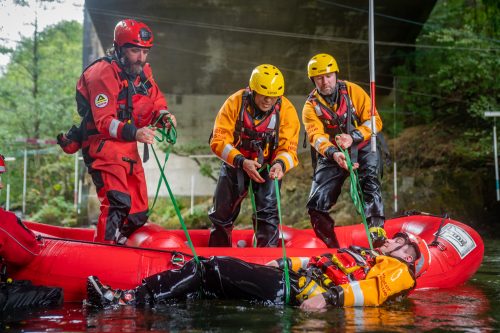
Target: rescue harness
[257, 141]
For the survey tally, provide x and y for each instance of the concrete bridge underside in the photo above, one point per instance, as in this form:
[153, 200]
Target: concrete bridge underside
[210, 46]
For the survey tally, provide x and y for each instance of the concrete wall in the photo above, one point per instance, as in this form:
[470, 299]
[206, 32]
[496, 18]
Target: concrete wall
[196, 114]
[195, 118]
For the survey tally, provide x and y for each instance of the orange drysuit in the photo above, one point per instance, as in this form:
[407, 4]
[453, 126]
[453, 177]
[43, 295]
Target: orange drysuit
[241, 130]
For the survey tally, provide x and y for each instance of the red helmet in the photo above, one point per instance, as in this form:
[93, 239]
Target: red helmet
[133, 32]
[2, 164]
[423, 260]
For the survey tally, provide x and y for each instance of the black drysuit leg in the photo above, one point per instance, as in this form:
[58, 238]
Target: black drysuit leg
[370, 185]
[226, 206]
[221, 278]
[325, 190]
[227, 203]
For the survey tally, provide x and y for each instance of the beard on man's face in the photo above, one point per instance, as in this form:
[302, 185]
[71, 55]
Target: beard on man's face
[131, 68]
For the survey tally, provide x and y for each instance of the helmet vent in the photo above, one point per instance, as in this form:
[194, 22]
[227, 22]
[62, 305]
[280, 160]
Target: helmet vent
[263, 86]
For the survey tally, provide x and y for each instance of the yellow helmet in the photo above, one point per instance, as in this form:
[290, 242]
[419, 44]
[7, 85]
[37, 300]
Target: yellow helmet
[321, 64]
[267, 80]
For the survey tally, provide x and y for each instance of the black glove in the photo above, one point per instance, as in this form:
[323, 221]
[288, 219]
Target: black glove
[334, 296]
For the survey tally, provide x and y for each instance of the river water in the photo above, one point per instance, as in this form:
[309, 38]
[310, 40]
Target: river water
[473, 307]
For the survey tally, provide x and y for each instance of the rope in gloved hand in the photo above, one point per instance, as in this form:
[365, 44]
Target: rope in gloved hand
[254, 207]
[170, 136]
[356, 191]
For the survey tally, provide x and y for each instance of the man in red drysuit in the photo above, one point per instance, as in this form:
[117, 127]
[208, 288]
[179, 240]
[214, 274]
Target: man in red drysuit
[118, 99]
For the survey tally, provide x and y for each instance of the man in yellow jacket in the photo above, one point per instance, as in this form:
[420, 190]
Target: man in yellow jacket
[255, 127]
[347, 277]
[337, 114]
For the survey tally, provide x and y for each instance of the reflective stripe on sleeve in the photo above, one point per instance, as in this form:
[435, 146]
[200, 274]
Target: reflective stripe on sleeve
[226, 151]
[359, 298]
[318, 142]
[113, 128]
[288, 158]
[367, 123]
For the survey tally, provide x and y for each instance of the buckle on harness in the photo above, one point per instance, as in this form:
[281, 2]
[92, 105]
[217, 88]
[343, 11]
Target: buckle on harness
[178, 259]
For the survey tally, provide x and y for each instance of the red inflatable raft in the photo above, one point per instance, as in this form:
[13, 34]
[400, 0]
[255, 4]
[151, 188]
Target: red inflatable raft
[64, 257]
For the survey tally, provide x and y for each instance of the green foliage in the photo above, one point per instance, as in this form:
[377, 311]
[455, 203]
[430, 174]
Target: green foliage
[37, 89]
[164, 211]
[37, 101]
[458, 78]
[56, 211]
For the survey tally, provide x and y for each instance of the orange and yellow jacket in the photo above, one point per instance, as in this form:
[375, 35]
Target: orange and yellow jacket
[318, 137]
[387, 277]
[223, 141]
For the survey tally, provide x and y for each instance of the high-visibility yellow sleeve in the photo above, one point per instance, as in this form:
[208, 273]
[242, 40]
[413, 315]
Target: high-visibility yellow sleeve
[386, 278]
[314, 128]
[288, 135]
[362, 106]
[223, 131]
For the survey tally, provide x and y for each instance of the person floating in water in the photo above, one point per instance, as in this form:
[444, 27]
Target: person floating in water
[350, 277]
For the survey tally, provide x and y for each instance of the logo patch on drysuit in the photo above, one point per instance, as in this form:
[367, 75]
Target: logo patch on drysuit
[101, 100]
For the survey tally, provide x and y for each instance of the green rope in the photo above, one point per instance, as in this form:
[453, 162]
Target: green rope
[254, 207]
[356, 192]
[285, 261]
[171, 138]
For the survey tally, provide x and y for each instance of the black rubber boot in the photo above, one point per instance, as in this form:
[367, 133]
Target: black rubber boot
[102, 296]
[323, 225]
[220, 236]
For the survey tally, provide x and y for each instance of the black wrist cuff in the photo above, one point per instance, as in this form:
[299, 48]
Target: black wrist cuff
[238, 161]
[281, 163]
[330, 151]
[334, 296]
[357, 137]
[128, 132]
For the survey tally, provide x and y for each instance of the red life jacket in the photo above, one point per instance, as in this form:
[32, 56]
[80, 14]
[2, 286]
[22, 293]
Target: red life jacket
[257, 142]
[343, 120]
[346, 265]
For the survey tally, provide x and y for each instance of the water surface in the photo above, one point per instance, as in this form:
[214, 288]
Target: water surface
[473, 307]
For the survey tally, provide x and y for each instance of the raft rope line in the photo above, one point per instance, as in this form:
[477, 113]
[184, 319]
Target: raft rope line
[20, 244]
[356, 191]
[254, 207]
[40, 237]
[170, 136]
[435, 242]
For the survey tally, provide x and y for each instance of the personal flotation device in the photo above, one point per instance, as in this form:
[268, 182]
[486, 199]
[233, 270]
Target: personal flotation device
[345, 266]
[77, 137]
[343, 120]
[257, 141]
